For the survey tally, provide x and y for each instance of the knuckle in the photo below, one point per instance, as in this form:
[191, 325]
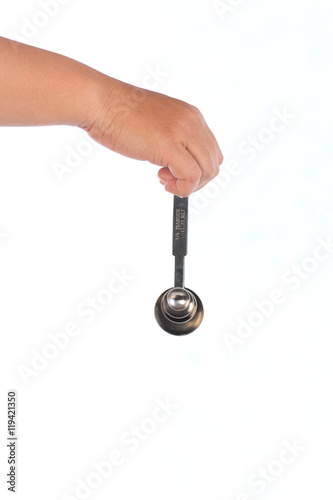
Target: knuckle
[195, 111]
[189, 117]
[196, 116]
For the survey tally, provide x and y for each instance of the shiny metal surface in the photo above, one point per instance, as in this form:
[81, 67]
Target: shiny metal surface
[179, 322]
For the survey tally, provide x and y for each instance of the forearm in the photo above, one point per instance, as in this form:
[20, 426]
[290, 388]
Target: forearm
[38, 87]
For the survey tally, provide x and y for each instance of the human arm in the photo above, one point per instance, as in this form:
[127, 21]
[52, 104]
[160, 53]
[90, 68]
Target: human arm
[39, 87]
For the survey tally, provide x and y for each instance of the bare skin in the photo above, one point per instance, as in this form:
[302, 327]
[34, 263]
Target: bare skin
[38, 87]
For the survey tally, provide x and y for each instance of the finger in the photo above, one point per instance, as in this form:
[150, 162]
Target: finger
[203, 185]
[205, 158]
[217, 147]
[212, 147]
[217, 157]
[186, 171]
[164, 174]
[213, 144]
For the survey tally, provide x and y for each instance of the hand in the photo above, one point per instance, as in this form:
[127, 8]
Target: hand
[167, 132]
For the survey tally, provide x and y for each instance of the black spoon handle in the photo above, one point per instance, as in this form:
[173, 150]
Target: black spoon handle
[179, 243]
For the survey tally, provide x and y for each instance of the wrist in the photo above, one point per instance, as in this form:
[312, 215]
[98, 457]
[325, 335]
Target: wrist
[101, 92]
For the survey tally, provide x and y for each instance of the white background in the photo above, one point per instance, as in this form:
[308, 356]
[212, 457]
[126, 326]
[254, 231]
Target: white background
[61, 241]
